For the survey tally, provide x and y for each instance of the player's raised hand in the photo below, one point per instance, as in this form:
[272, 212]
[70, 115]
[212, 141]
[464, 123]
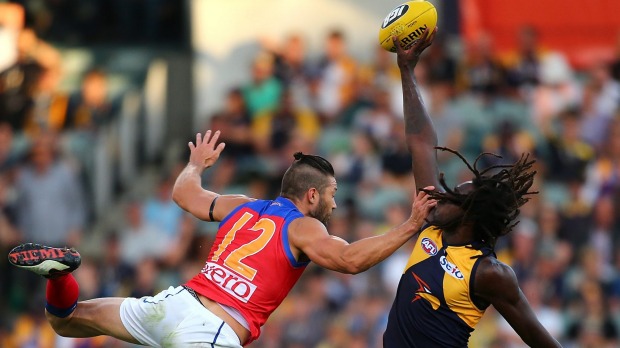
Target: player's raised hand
[422, 205]
[410, 57]
[204, 153]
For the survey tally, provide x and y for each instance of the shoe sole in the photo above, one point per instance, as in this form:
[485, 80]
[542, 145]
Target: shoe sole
[45, 261]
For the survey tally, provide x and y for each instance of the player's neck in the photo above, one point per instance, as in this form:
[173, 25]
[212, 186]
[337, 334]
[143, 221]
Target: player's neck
[459, 236]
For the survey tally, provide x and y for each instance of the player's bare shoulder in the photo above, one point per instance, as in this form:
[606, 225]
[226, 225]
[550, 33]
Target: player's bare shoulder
[305, 225]
[494, 279]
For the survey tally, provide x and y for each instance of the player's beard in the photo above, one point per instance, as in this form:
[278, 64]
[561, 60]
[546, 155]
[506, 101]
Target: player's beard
[322, 213]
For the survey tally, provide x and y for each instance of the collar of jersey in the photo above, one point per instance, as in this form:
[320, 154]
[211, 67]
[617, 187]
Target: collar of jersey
[286, 202]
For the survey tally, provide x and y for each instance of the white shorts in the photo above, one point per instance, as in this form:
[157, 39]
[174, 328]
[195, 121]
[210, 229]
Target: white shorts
[174, 318]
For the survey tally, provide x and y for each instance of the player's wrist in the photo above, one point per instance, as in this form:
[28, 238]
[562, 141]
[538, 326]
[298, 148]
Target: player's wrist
[196, 167]
[413, 225]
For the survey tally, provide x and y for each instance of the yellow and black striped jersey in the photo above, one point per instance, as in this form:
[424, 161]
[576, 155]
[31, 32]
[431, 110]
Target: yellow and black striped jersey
[434, 305]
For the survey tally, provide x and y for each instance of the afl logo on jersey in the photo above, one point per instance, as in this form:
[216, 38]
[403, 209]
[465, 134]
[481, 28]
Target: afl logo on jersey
[429, 246]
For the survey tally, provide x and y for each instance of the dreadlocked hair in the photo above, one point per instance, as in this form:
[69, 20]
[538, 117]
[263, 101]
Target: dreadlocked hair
[499, 191]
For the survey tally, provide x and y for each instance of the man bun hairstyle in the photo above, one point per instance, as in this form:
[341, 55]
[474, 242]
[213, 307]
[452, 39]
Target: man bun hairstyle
[306, 172]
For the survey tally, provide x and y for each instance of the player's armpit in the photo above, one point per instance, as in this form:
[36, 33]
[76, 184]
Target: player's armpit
[496, 283]
[225, 204]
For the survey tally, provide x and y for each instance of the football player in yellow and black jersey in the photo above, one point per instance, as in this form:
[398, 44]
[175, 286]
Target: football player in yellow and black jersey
[452, 275]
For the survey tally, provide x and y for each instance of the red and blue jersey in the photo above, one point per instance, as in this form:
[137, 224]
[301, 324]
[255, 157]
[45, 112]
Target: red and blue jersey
[251, 267]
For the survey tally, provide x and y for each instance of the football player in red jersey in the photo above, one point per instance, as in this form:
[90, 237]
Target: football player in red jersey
[452, 275]
[260, 250]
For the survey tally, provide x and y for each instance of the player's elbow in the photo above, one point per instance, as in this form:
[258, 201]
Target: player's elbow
[179, 197]
[353, 266]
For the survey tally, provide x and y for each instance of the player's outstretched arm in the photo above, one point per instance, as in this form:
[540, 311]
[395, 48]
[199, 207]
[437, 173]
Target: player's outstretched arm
[309, 239]
[421, 136]
[497, 284]
[188, 192]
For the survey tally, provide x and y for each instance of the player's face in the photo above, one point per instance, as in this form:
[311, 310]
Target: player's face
[445, 213]
[327, 202]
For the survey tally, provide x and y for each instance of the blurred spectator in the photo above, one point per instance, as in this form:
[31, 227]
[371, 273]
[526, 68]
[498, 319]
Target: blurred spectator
[575, 217]
[480, 71]
[49, 109]
[593, 125]
[31, 330]
[524, 66]
[361, 167]
[90, 109]
[273, 130]
[377, 120]
[9, 156]
[263, 92]
[557, 90]
[292, 69]
[604, 171]
[509, 142]
[116, 275]
[21, 81]
[50, 206]
[381, 74]
[591, 268]
[396, 159]
[603, 235]
[11, 23]
[593, 327]
[568, 154]
[160, 210]
[145, 278]
[141, 239]
[442, 67]
[605, 91]
[523, 258]
[338, 69]
[234, 122]
[304, 327]
[9, 234]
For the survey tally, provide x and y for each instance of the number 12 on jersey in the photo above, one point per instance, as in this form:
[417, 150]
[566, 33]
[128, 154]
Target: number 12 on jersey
[265, 229]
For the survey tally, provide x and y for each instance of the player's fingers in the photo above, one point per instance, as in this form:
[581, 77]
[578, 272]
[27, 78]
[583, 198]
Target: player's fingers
[198, 139]
[213, 139]
[191, 146]
[399, 48]
[429, 40]
[419, 43]
[220, 148]
[429, 206]
[207, 136]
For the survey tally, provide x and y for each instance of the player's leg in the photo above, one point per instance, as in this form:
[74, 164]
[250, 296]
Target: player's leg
[100, 316]
[68, 317]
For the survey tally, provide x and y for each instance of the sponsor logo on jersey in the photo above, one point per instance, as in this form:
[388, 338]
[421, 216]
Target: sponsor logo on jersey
[429, 246]
[233, 284]
[450, 268]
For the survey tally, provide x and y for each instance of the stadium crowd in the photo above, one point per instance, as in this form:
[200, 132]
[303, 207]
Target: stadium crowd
[565, 251]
